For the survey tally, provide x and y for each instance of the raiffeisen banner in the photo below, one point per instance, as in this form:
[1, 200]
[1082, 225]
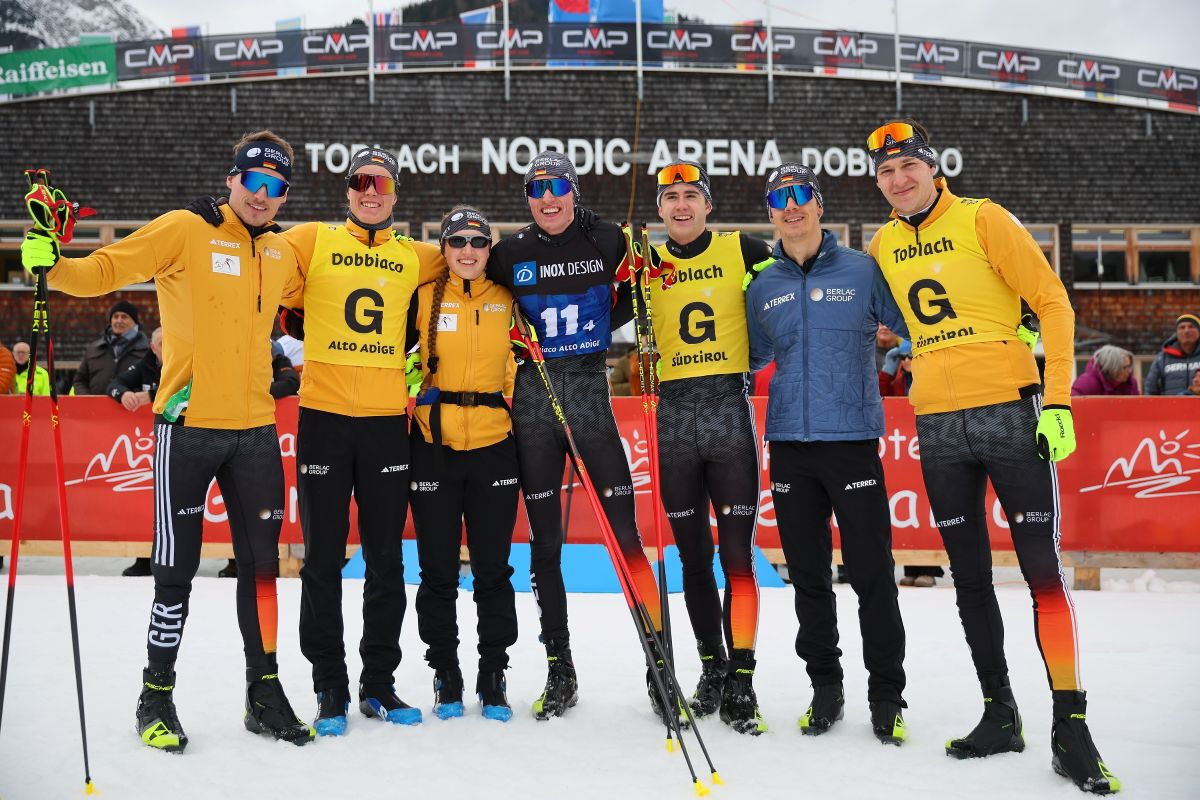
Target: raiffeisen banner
[30, 71]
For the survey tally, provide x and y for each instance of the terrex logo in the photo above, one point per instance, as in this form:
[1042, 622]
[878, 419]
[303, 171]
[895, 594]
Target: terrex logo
[1086, 69]
[423, 40]
[859, 484]
[1007, 61]
[595, 39]
[844, 46]
[1166, 78]
[247, 49]
[930, 53]
[679, 39]
[517, 38]
[757, 42]
[336, 42]
[158, 55]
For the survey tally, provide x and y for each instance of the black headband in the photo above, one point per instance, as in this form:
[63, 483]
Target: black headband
[466, 219]
[262, 153]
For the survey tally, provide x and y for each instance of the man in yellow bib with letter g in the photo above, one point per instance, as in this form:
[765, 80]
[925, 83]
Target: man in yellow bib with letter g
[958, 268]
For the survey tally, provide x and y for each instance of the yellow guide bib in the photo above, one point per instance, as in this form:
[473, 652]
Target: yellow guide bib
[943, 283]
[356, 300]
[700, 322]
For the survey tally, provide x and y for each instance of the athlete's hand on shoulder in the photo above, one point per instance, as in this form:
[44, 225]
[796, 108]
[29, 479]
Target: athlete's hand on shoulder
[39, 250]
[755, 270]
[1055, 433]
[1027, 331]
[208, 208]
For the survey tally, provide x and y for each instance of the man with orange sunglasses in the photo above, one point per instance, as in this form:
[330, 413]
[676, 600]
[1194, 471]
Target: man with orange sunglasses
[959, 268]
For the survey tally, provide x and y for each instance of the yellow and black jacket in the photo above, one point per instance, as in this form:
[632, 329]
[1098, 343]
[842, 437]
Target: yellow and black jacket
[959, 278]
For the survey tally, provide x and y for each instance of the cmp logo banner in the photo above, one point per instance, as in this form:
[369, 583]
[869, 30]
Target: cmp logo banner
[167, 57]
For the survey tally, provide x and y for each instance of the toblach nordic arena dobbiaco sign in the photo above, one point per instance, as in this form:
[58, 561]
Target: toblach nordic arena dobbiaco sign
[30, 71]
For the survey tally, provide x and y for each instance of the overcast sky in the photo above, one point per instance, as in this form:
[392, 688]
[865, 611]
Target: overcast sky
[1158, 31]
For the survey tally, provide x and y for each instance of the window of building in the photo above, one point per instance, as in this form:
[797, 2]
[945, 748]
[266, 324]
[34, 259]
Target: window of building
[1131, 255]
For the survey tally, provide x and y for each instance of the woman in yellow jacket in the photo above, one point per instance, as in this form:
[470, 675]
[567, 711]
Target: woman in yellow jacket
[464, 465]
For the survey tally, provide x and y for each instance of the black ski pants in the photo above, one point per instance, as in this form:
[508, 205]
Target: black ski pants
[811, 480]
[478, 487]
[337, 455]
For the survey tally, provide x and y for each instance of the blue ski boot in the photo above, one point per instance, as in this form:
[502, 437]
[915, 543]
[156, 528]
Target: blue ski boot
[380, 701]
[447, 693]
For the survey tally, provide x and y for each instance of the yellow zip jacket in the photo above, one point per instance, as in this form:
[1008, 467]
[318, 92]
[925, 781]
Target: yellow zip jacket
[959, 279]
[218, 292]
[331, 381]
[474, 355]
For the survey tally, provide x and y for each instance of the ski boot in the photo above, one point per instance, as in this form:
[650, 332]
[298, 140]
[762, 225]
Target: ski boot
[267, 708]
[332, 706]
[825, 709]
[713, 666]
[380, 701]
[659, 668]
[490, 688]
[1075, 755]
[157, 722]
[887, 721]
[447, 692]
[739, 704]
[562, 688]
[1000, 729]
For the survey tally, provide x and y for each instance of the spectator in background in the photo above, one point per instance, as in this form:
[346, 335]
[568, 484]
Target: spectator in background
[896, 375]
[1109, 372]
[1174, 371]
[293, 348]
[885, 340]
[134, 387]
[284, 383]
[618, 369]
[41, 378]
[8, 370]
[120, 346]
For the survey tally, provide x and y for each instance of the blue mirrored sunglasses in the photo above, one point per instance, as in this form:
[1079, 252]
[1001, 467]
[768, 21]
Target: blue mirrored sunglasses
[778, 199]
[557, 186]
[253, 181]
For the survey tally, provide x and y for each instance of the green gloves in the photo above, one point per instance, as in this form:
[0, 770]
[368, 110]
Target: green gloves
[412, 373]
[1027, 333]
[1055, 433]
[38, 251]
[753, 272]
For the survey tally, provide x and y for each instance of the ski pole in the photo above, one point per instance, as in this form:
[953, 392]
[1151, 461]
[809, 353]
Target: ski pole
[570, 476]
[53, 214]
[637, 608]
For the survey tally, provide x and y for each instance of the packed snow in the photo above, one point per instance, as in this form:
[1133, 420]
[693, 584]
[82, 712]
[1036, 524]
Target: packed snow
[1141, 656]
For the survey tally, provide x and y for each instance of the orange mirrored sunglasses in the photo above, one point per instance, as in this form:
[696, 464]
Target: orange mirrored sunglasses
[678, 173]
[899, 132]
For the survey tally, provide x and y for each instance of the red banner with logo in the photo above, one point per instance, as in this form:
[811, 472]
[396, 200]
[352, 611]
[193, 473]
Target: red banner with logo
[1132, 485]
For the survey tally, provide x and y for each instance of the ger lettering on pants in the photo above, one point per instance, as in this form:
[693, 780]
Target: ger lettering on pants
[249, 472]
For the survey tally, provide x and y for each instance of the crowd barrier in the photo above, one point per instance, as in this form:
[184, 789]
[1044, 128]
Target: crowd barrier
[1128, 495]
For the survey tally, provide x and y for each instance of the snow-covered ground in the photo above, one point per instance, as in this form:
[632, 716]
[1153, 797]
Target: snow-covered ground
[1141, 659]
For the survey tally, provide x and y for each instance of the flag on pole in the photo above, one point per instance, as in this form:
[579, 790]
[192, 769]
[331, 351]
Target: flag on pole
[190, 32]
[570, 11]
[387, 19]
[480, 16]
[290, 24]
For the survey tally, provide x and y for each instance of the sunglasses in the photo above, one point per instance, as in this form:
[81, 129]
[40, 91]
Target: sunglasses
[253, 181]
[382, 183]
[678, 173]
[778, 199]
[478, 242]
[898, 132]
[557, 186]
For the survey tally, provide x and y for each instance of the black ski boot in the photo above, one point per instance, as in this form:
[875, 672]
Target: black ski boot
[267, 708]
[825, 709]
[562, 688]
[713, 667]
[490, 687]
[659, 667]
[448, 693]
[157, 722]
[1075, 755]
[739, 704]
[887, 721]
[1000, 729]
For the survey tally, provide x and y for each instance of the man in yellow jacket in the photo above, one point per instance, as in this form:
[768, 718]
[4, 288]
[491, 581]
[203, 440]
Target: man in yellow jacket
[214, 418]
[959, 268]
[41, 378]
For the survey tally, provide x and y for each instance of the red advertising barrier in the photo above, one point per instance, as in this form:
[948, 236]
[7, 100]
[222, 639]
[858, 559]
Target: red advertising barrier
[1131, 486]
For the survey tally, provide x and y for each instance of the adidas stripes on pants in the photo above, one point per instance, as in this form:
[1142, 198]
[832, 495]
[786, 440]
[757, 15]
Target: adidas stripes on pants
[249, 473]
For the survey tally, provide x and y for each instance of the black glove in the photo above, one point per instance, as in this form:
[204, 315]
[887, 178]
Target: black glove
[585, 218]
[208, 208]
[291, 322]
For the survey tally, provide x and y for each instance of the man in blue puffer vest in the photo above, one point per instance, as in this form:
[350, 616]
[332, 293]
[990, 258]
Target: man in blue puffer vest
[814, 307]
